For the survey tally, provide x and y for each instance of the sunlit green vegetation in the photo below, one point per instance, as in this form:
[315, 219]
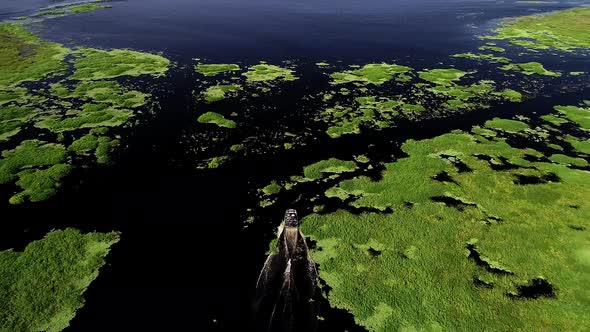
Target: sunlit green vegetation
[73, 8]
[217, 119]
[482, 56]
[272, 188]
[25, 57]
[530, 68]
[442, 76]
[579, 115]
[220, 91]
[215, 68]
[373, 73]
[563, 30]
[459, 248]
[511, 126]
[91, 116]
[85, 8]
[66, 108]
[41, 287]
[492, 48]
[94, 144]
[329, 166]
[94, 64]
[103, 92]
[38, 167]
[264, 72]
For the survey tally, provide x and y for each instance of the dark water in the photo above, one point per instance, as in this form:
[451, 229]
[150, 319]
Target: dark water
[185, 261]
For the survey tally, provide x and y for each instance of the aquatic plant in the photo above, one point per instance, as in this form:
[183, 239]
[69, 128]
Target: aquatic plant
[26, 57]
[264, 72]
[95, 64]
[482, 56]
[564, 30]
[328, 166]
[91, 116]
[213, 69]
[579, 115]
[220, 91]
[41, 287]
[217, 119]
[530, 68]
[507, 125]
[373, 73]
[442, 76]
[442, 239]
[104, 92]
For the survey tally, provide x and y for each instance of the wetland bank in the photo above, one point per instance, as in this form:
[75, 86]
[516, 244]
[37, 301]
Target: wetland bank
[441, 187]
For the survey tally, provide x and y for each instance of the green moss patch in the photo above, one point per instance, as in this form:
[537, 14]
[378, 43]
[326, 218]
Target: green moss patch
[9, 129]
[29, 154]
[38, 167]
[330, 166]
[91, 116]
[103, 92]
[39, 184]
[85, 8]
[373, 73]
[41, 288]
[220, 92]
[214, 69]
[25, 57]
[94, 64]
[530, 68]
[458, 254]
[217, 119]
[94, 144]
[563, 30]
[579, 115]
[511, 126]
[567, 160]
[482, 56]
[272, 188]
[264, 72]
[492, 48]
[442, 76]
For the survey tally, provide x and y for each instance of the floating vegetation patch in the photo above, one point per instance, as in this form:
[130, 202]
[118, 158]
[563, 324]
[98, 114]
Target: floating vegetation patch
[102, 91]
[329, 166]
[68, 9]
[563, 30]
[41, 287]
[220, 92]
[373, 73]
[444, 267]
[375, 113]
[214, 69]
[482, 56]
[579, 115]
[94, 64]
[264, 72]
[217, 119]
[507, 125]
[442, 76]
[38, 168]
[72, 116]
[26, 57]
[91, 116]
[530, 68]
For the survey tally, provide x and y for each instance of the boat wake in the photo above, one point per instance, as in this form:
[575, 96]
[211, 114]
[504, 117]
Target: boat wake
[287, 288]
